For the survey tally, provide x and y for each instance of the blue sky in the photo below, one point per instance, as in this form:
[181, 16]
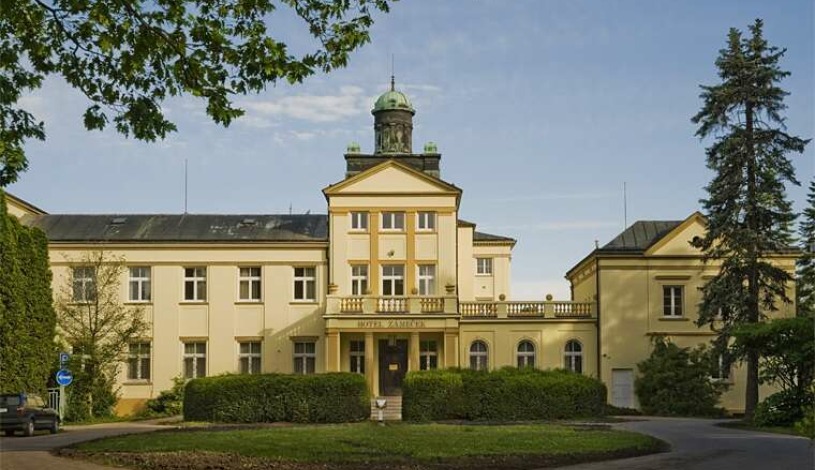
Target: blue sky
[541, 110]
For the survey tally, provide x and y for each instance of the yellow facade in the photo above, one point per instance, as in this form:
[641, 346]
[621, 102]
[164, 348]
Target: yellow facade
[389, 280]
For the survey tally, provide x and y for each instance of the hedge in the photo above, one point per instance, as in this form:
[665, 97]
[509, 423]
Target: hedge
[320, 398]
[508, 394]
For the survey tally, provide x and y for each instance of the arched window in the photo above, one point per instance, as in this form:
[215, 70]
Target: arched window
[526, 354]
[478, 356]
[573, 356]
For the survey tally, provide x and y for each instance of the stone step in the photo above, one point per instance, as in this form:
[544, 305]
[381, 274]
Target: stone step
[392, 412]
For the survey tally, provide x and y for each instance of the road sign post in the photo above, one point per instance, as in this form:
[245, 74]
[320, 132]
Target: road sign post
[64, 378]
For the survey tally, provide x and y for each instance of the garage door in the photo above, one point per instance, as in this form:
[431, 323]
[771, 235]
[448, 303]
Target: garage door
[622, 388]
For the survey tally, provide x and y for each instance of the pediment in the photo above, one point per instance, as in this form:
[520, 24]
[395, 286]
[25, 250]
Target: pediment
[677, 241]
[391, 177]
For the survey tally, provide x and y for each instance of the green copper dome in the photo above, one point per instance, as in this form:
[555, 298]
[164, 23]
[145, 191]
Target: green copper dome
[393, 99]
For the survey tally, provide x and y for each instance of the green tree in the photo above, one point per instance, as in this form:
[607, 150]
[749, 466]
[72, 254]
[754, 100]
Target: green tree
[127, 57]
[27, 318]
[93, 320]
[675, 381]
[805, 278]
[748, 214]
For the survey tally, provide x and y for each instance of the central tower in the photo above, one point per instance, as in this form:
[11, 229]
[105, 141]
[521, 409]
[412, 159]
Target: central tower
[393, 123]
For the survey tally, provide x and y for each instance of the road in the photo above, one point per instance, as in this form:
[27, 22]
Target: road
[32, 453]
[698, 444]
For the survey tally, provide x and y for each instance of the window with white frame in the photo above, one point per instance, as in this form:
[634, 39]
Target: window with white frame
[672, 301]
[84, 283]
[139, 284]
[359, 279]
[249, 357]
[526, 354]
[305, 356]
[195, 360]
[195, 284]
[573, 356]
[427, 279]
[720, 369]
[426, 221]
[359, 221]
[249, 284]
[305, 283]
[358, 357]
[393, 221]
[138, 361]
[483, 266]
[428, 355]
[393, 279]
[479, 356]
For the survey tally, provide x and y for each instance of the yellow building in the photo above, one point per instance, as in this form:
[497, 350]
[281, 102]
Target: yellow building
[389, 280]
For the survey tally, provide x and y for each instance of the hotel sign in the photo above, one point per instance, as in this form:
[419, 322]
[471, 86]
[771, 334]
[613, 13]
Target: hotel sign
[390, 324]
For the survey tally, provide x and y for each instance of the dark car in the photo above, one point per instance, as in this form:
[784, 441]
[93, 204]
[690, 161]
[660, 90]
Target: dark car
[26, 413]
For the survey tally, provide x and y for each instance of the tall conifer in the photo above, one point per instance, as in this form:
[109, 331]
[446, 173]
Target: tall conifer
[748, 214]
[805, 279]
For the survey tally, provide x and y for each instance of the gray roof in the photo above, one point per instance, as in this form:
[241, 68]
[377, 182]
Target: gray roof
[488, 237]
[640, 235]
[181, 227]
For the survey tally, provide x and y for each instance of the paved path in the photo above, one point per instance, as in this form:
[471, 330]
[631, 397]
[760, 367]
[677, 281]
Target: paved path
[698, 444]
[32, 453]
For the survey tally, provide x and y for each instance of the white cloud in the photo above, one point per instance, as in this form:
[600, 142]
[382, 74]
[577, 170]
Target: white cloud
[350, 101]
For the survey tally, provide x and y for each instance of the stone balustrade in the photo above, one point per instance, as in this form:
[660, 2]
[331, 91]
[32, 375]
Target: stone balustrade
[415, 305]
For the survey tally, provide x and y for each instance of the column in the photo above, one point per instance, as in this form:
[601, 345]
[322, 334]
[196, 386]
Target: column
[332, 351]
[369, 360]
[413, 351]
[451, 350]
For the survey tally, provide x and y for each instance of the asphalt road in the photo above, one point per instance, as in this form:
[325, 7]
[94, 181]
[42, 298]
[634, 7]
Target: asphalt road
[698, 444]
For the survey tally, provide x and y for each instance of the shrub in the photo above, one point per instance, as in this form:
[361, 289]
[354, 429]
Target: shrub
[320, 398]
[784, 408]
[806, 426]
[508, 394]
[675, 381]
[168, 402]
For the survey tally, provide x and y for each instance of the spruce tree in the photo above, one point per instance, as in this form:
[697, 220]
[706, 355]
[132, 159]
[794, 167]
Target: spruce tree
[805, 279]
[749, 217]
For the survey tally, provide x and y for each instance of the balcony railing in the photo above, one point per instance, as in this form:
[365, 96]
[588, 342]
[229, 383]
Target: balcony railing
[391, 305]
[523, 309]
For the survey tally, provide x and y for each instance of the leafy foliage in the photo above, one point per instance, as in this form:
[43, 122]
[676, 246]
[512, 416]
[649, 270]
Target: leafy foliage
[128, 57]
[675, 381]
[783, 408]
[93, 320]
[321, 398]
[27, 318]
[748, 214]
[168, 402]
[805, 279]
[507, 394]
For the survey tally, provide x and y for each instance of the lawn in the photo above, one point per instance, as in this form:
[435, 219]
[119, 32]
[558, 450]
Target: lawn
[358, 445]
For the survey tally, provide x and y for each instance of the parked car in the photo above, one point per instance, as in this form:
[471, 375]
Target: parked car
[26, 413]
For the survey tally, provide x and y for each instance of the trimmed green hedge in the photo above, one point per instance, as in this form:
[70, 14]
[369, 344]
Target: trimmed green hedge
[320, 398]
[508, 394]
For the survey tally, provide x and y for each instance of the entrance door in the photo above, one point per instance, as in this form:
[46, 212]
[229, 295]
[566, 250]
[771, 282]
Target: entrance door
[393, 359]
[622, 388]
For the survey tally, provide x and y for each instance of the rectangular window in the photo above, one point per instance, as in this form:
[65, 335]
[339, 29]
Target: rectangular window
[483, 266]
[138, 361]
[84, 284]
[195, 284]
[359, 279]
[393, 221]
[140, 284]
[249, 284]
[427, 221]
[358, 357]
[249, 357]
[195, 360]
[305, 284]
[359, 221]
[427, 279]
[393, 279]
[672, 301]
[304, 357]
[428, 355]
[720, 368]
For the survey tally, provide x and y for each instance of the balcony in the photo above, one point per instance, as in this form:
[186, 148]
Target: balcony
[373, 305]
[544, 309]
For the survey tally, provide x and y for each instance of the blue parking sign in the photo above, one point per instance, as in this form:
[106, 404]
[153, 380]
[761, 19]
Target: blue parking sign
[63, 358]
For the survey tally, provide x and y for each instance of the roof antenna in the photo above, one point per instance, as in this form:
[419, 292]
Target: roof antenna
[289, 208]
[185, 185]
[393, 80]
[625, 206]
